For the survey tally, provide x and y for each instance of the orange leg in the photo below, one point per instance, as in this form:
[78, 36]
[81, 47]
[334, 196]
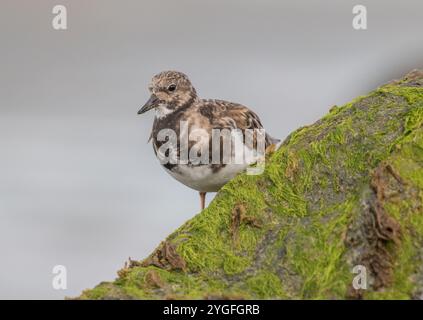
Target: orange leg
[203, 200]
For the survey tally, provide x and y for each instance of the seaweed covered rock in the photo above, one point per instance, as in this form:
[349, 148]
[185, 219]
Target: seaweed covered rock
[346, 191]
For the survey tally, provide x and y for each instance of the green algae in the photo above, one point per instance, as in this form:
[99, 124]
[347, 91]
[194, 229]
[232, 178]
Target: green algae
[303, 206]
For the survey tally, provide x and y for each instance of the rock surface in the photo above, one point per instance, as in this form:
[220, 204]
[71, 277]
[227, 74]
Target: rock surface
[344, 191]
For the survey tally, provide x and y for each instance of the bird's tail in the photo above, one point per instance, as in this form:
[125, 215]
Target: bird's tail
[271, 140]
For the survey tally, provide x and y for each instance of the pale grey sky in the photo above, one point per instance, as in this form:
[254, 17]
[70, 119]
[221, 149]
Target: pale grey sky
[80, 186]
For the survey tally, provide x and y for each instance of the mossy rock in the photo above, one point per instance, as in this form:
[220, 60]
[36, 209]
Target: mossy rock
[345, 191]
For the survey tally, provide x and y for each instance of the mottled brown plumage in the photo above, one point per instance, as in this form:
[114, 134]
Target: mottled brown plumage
[175, 99]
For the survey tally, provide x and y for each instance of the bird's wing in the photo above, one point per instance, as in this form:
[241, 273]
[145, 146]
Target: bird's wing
[228, 115]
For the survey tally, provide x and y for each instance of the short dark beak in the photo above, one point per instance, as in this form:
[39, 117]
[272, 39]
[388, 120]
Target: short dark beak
[150, 104]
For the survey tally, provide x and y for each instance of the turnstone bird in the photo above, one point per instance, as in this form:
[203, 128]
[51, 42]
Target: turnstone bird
[179, 113]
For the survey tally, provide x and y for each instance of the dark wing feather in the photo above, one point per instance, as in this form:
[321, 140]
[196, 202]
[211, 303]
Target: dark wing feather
[228, 115]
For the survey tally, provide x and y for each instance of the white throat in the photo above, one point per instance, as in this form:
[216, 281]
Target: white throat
[162, 111]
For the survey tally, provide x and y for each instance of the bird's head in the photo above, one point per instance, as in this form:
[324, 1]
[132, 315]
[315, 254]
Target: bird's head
[170, 90]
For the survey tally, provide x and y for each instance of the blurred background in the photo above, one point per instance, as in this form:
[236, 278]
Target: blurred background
[80, 186]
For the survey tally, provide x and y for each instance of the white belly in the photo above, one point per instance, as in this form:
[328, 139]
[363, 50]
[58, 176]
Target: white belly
[203, 177]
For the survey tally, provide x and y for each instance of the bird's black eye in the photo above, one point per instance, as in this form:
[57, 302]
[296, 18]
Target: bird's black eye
[172, 87]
